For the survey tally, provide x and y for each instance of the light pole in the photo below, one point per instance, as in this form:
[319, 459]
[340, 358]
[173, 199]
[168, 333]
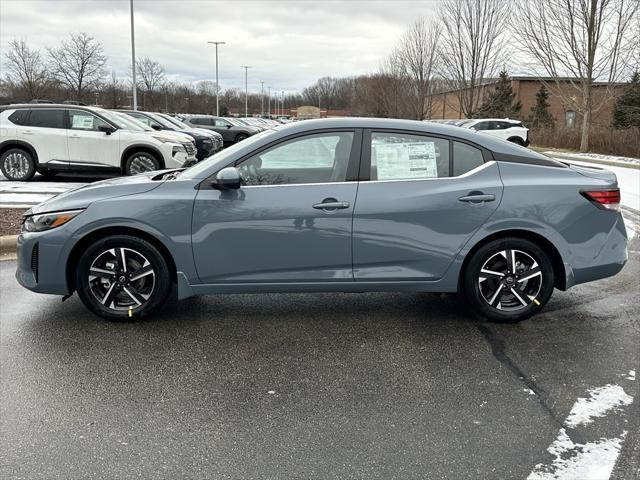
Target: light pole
[282, 110]
[269, 106]
[217, 89]
[246, 91]
[133, 59]
[261, 99]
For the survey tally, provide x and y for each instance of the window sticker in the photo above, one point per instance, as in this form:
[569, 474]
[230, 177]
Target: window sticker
[405, 160]
[83, 122]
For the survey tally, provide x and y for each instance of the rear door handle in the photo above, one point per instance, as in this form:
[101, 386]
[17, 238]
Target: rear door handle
[27, 132]
[331, 204]
[477, 198]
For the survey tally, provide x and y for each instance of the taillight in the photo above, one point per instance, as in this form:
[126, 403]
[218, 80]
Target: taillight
[607, 199]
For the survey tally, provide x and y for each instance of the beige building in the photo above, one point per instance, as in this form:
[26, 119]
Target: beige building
[446, 105]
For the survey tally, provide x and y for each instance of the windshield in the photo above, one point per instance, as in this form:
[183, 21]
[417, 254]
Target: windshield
[174, 120]
[162, 121]
[202, 166]
[234, 121]
[124, 121]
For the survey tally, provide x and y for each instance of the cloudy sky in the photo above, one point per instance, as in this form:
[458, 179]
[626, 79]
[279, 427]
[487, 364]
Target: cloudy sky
[289, 43]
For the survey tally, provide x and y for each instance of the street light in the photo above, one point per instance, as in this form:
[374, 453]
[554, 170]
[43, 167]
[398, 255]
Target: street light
[217, 89]
[261, 99]
[133, 58]
[246, 91]
[269, 107]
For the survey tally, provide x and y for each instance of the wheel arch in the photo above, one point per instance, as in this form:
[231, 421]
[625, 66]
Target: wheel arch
[559, 273]
[516, 139]
[141, 148]
[9, 144]
[89, 238]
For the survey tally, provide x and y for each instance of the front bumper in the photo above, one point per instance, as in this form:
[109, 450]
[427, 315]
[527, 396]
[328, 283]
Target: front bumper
[41, 266]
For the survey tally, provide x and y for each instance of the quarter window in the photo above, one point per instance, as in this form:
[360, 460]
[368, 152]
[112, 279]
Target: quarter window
[396, 156]
[465, 158]
[19, 117]
[47, 118]
[81, 120]
[320, 158]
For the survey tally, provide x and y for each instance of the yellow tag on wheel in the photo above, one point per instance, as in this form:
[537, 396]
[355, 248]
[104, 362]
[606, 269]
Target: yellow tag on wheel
[131, 312]
[535, 300]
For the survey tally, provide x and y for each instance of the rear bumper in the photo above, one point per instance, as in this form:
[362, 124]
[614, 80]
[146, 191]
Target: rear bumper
[608, 261]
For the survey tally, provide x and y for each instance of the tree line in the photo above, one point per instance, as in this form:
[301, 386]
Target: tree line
[469, 42]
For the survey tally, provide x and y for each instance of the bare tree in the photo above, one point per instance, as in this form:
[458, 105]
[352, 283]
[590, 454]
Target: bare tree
[473, 46]
[417, 58]
[26, 70]
[150, 77]
[584, 40]
[78, 64]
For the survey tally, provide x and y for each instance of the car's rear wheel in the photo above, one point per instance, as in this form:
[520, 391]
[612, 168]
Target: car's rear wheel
[121, 278]
[508, 280]
[18, 165]
[241, 136]
[140, 162]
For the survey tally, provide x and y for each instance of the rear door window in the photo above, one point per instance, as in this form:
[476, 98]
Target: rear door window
[399, 156]
[47, 118]
[465, 158]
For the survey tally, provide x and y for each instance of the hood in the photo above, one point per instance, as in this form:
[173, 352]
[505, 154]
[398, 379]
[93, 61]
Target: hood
[83, 196]
[173, 135]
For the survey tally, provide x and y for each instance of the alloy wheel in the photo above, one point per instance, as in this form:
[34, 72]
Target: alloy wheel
[510, 280]
[142, 163]
[16, 165]
[121, 278]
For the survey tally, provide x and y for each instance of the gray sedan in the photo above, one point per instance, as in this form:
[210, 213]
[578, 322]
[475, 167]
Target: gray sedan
[337, 205]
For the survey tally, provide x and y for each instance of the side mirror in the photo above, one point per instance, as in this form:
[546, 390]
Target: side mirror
[107, 129]
[227, 179]
[155, 126]
[228, 126]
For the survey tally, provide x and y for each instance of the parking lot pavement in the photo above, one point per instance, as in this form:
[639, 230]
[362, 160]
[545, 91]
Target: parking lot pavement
[322, 386]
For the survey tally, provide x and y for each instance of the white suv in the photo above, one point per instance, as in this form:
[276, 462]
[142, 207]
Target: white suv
[511, 130]
[50, 138]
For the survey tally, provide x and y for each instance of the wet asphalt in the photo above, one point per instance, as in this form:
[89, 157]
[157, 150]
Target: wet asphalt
[319, 386]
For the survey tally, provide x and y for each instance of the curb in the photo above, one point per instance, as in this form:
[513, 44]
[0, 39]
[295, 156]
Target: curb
[8, 244]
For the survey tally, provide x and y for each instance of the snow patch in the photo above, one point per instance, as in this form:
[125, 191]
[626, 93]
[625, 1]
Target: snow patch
[595, 156]
[632, 375]
[601, 401]
[575, 461]
[631, 232]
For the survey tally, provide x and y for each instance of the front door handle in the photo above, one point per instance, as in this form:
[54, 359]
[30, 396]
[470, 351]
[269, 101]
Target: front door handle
[478, 198]
[330, 205]
[27, 132]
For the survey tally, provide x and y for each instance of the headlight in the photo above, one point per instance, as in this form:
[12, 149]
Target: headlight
[177, 149]
[47, 221]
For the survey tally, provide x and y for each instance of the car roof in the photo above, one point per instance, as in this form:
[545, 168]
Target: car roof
[510, 120]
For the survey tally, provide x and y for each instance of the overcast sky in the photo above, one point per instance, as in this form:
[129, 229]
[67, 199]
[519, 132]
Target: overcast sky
[289, 43]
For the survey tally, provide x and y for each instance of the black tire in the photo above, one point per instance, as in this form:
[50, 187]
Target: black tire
[124, 297]
[139, 162]
[47, 173]
[517, 141]
[532, 289]
[241, 136]
[17, 164]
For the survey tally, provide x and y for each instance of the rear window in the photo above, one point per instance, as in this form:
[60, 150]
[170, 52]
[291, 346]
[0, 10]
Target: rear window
[47, 118]
[19, 117]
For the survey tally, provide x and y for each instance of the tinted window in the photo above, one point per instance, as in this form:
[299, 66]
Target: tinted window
[46, 117]
[81, 120]
[320, 158]
[19, 117]
[398, 156]
[465, 158]
[481, 126]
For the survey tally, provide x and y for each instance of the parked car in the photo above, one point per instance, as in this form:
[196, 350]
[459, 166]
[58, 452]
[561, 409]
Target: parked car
[219, 142]
[206, 144]
[337, 205]
[50, 138]
[512, 130]
[232, 132]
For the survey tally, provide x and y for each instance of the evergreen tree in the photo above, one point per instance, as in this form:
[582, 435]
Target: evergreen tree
[626, 112]
[540, 116]
[500, 102]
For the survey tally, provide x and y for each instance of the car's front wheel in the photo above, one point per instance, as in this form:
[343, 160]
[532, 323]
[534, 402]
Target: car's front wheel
[121, 278]
[241, 136]
[508, 280]
[140, 162]
[17, 164]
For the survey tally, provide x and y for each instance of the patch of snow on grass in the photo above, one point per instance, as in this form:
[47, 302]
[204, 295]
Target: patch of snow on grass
[595, 156]
[632, 375]
[575, 461]
[600, 402]
[631, 232]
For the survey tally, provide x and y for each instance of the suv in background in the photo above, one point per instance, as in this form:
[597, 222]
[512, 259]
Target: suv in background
[232, 132]
[50, 138]
[512, 130]
[206, 143]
